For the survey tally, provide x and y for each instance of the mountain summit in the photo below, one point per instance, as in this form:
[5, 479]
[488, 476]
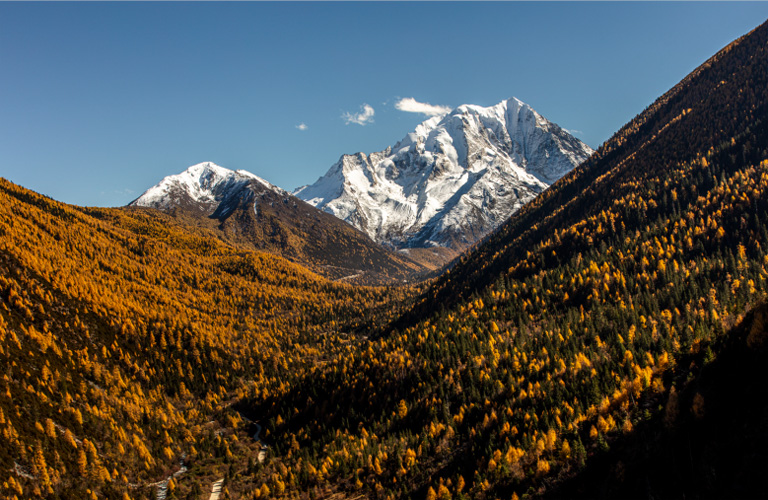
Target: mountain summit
[451, 181]
[205, 187]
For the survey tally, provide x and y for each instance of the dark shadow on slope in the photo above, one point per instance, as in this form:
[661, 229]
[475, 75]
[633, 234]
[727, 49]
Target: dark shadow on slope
[712, 444]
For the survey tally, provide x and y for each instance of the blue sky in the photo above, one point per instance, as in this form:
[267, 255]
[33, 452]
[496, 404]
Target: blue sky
[99, 101]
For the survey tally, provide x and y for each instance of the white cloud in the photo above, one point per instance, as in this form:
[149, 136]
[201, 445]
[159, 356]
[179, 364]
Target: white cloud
[302, 126]
[411, 105]
[125, 191]
[364, 117]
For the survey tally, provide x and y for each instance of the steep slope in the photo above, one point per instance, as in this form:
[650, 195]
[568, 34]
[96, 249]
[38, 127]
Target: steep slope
[249, 211]
[452, 180]
[560, 333]
[124, 337]
[711, 441]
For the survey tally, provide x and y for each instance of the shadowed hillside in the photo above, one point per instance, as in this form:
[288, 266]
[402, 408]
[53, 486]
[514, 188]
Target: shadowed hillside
[711, 437]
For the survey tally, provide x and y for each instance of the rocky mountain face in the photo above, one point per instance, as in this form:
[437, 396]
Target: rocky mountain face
[451, 181]
[249, 211]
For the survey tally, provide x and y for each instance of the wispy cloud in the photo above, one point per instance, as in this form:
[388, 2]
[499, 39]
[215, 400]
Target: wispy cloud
[364, 117]
[573, 131]
[119, 192]
[302, 126]
[411, 105]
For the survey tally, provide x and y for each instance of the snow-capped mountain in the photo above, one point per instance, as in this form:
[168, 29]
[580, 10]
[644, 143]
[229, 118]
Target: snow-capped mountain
[205, 187]
[248, 211]
[452, 180]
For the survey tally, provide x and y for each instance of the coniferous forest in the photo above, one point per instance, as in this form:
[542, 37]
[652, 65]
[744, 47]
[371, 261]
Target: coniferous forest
[609, 340]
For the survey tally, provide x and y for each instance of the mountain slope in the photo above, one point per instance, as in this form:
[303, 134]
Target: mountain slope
[559, 334]
[124, 336]
[712, 440]
[452, 180]
[249, 211]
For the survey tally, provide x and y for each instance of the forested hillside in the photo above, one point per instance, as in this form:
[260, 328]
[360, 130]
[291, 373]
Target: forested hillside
[124, 338]
[560, 332]
[710, 438]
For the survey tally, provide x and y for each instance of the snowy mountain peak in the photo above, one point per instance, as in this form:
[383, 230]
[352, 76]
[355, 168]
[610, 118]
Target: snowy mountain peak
[453, 179]
[204, 184]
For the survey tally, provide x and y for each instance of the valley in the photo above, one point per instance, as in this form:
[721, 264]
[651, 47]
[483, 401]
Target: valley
[601, 336]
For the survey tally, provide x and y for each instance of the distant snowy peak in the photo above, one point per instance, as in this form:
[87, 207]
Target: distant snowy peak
[205, 185]
[452, 180]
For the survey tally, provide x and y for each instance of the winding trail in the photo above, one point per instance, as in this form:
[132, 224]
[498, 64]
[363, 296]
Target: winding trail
[216, 490]
[22, 471]
[263, 451]
[351, 276]
[162, 486]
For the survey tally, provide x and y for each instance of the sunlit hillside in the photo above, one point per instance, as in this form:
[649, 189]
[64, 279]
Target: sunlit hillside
[125, 338]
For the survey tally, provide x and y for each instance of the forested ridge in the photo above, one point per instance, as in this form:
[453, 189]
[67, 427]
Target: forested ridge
[595, 317]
